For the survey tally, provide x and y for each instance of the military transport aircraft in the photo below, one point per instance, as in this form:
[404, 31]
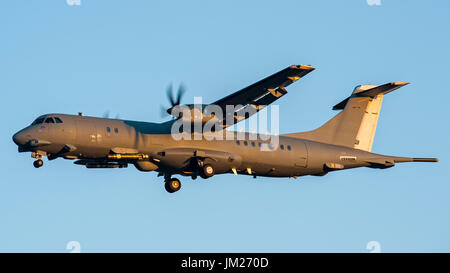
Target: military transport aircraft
[343, 142]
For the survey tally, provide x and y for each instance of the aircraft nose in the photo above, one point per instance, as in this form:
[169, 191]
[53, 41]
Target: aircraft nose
[19, 138]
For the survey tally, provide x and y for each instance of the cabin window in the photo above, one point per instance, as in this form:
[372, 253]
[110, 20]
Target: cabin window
[246, 143]
[58, 120]
[108, 130]
[282, 147]
[116, 130]
[238, 142]
[253, 144]
[259, 144]
[49, 120]
[289, 147]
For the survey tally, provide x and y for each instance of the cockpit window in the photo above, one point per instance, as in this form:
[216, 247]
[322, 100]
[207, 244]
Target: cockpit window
[49, 120]
[58, 120]
[38, 121]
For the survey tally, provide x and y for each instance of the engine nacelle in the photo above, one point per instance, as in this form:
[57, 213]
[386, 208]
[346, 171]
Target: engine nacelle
[193, 113]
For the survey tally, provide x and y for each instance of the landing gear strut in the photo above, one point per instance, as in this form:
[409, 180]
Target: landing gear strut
[172, 185]
[38, 163]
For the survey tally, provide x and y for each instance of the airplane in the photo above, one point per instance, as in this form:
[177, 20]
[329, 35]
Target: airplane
[343, 142]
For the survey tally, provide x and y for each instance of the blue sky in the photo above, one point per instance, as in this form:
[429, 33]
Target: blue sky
[121, 55]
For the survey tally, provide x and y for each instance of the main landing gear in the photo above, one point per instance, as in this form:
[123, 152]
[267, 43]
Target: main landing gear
[207, 171]
[172, 185]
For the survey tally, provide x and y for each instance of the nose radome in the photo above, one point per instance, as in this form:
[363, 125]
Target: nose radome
[15, 138]
[19, 138]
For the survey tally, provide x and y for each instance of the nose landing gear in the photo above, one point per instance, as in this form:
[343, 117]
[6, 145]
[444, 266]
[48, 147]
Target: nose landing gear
[38, 163]
[172, 185]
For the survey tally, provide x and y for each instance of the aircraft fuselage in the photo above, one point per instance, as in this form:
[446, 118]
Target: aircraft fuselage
[343, 142]
[95, 141]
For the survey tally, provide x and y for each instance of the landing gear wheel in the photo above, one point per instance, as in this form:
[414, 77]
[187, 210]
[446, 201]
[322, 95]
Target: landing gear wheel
[207, 171]
[172, 185]
[38, 163]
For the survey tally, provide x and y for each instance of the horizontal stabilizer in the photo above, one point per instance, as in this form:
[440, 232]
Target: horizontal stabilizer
[372, 92]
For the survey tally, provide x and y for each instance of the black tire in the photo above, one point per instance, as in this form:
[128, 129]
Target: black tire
[172, 185]
[167, 187]
[38, 163]
[207, 171]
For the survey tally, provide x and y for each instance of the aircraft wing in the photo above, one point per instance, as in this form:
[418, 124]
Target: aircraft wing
[253, 98]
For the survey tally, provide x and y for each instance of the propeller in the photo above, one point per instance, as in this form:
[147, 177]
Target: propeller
[174, 100]
[107, 114]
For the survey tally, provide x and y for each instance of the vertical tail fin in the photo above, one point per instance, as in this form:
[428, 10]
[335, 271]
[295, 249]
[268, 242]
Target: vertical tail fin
[355, 125]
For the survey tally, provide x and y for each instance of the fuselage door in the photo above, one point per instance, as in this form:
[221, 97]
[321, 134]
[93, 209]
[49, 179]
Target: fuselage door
[86, 132]
[65, 129]
[300, 155]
